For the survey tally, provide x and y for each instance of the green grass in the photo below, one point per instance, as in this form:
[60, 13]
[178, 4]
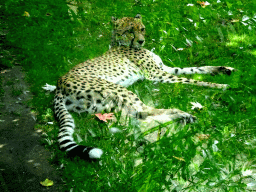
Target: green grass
[49, 43]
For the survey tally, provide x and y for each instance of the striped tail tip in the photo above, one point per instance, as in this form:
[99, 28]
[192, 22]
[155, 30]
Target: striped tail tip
[87, 153]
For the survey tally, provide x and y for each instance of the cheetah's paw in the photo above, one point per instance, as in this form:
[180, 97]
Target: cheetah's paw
[186, 118]
[226, 70]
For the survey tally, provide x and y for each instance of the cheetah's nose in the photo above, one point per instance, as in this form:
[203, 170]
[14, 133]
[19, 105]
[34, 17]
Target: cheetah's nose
[141, 42]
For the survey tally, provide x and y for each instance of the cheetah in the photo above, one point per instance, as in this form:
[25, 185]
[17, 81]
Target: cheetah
[99, 84]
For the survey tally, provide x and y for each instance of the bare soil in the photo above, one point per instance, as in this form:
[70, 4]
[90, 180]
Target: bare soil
[23, 159]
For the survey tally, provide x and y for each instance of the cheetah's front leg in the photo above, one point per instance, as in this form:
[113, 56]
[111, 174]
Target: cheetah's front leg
[191, 70]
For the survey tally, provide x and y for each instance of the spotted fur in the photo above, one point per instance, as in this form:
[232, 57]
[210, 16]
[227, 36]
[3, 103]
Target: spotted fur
[99, 84]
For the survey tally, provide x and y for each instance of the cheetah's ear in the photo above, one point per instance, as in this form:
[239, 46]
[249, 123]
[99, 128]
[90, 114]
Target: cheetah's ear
[138, 16]
[113, 19]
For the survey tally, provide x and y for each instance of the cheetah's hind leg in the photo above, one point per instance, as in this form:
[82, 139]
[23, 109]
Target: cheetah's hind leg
[155, 117]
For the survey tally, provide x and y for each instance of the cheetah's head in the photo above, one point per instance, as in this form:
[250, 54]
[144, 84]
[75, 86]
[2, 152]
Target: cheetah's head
[128, 31]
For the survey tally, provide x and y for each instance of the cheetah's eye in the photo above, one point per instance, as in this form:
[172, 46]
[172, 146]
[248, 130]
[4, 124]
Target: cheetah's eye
[142, 29]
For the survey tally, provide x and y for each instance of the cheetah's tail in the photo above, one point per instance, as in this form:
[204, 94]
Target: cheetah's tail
[65, 136]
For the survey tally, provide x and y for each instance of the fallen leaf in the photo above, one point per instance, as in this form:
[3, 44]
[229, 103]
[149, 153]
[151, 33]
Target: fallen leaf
[179, 158]
[235, 20]
[104, 117]
[26, 14]
[196, 105]
[48, 87]
[203, 136]
[46, 183]
[203, 4]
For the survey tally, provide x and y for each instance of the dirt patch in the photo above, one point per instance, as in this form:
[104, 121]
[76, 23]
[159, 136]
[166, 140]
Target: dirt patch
[23, 160]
